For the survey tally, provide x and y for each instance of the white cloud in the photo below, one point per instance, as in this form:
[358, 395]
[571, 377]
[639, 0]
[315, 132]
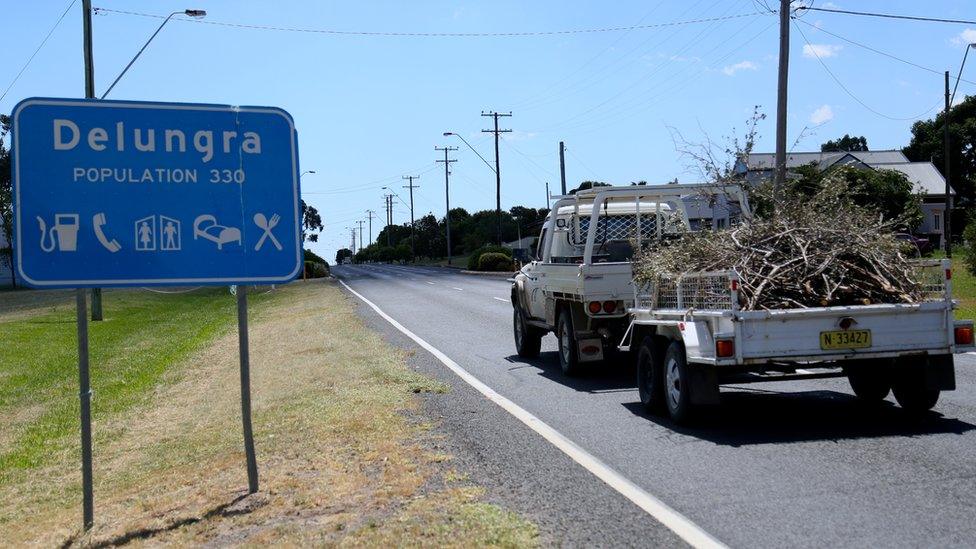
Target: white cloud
[965, 38]
[822, 51]
[823, 114]
[518, 135]
[730, 70]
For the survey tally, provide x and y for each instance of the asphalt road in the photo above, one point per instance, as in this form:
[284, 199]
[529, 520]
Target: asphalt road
[789, 463]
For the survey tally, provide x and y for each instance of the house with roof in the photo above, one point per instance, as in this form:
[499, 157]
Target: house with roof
[925, 177]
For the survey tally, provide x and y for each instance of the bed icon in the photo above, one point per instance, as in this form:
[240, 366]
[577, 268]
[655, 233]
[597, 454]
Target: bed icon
[206, 226]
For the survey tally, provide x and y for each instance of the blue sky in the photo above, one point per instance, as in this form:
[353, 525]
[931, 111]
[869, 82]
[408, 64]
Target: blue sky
[371, 108]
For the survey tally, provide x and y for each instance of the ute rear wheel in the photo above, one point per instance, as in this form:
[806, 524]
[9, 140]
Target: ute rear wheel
[528, 339]
[568, 349]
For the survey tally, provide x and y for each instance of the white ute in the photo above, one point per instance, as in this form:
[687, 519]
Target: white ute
[688, 334]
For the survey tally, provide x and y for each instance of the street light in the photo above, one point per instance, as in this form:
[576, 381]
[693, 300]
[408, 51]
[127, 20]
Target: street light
[305, 172]
[196, 14]
[490, 167]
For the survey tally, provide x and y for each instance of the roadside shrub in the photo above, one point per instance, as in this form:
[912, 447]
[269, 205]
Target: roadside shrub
[969, 245]
[495, 261]
[474, 260]
[315, 269]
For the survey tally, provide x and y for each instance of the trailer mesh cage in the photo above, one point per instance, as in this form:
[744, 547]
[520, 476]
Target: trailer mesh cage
[705, 291]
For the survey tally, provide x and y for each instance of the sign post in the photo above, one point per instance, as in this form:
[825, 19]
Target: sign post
[87, 498]
[252, 463]
[123, 193]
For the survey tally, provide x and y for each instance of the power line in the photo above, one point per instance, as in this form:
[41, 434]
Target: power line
[602, 74]
[889, 15]
[558, 88]
[41, 45]
[439, 34]
[879, 52]
[849, 92]
[643, 102]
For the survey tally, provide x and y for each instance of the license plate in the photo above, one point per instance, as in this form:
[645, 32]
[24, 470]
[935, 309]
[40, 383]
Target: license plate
[845, 339]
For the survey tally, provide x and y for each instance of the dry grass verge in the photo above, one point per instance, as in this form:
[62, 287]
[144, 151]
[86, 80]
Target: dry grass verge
[342, 450]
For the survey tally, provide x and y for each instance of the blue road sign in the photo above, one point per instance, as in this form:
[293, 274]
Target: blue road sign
[123, 193]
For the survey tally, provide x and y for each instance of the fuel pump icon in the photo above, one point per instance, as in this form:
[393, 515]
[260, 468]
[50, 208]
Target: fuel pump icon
[63, 236]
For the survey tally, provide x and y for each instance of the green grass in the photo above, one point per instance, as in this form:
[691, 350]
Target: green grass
[963, 285]
[142, 335]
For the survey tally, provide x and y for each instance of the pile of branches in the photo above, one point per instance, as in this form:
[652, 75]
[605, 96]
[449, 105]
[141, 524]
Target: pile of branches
[812, 251]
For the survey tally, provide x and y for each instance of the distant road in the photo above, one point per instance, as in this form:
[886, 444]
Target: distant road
[779, 464]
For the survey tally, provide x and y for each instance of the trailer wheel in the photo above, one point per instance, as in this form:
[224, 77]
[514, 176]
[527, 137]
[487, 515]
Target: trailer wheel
[677, 385]
[528, 339]
[911, 390]
[568, 349]
[650, 375]
[871, 382]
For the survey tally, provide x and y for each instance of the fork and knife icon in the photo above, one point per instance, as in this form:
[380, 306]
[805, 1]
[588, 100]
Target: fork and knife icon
[264, 223]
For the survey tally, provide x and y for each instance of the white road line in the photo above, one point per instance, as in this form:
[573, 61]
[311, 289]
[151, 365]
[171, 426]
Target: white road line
[501, 299]
[429, 282]
[675, 521]
[459, 289]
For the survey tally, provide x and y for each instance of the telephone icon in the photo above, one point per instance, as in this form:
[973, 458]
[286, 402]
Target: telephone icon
[111, 245]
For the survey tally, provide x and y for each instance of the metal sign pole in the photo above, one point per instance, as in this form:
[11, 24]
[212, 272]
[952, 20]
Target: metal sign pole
[85, 395]
[252, 462]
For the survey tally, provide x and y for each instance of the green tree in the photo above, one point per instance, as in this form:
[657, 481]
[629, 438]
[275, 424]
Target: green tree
[928, 144]
[311, 221]
[847, 143]
[6, 200]
[887, 191]
[588, 185]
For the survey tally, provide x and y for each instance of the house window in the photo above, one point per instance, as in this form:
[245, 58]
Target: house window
[720, 223]
[937, 221]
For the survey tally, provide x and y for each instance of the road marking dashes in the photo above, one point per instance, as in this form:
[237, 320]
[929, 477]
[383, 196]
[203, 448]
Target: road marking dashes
[459, 289]
[501, 299]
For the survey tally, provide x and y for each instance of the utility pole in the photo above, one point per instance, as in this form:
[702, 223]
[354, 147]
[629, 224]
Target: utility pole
[947, 214]
[370, 216]
[388, 204]
[447, 194]
[784, 66]
[498, 172]
[360, 234]
[562, 165]
[96, 311]
[413, 233]
[81, 314]
[547, 195]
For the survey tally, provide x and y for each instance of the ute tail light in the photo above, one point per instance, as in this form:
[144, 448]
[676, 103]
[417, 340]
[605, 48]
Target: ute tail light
[724, 348]
[964, 335]
[609, 306]
[594, 307]
[948, 274]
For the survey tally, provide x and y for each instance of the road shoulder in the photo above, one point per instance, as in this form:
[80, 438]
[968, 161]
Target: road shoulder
[518, 468]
